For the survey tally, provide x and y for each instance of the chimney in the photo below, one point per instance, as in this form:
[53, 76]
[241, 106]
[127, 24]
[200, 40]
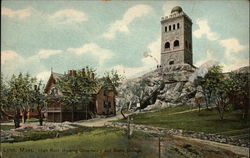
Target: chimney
[83, 71]
[74, 73]
[70, 73]
[87, 71]
[92, 75]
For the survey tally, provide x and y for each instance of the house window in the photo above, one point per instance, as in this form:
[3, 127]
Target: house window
[106, 104]
[54, 91]
[167, 45]
[171, 62]
[166, 29]
[176, 43]
[190, 46]
[169, 28]
[178, 26]
[174, 27]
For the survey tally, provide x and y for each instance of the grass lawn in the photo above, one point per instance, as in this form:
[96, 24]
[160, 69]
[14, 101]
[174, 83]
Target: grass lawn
[205, 121]
[110, 143]
[98, 142]
[7, 127]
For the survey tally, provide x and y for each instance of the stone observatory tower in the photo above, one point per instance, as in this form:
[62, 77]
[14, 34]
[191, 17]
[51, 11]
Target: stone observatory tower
[176, 38]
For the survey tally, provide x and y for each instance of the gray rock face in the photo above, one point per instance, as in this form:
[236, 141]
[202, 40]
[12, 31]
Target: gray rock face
[166, 86]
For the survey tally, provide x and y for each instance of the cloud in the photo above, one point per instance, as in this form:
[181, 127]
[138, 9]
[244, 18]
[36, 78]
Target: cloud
[68, 16]
[45, 53]
[131, 14]
[8, 56]
[13, 63]
[155, 53]
[232, 58]
[232, 45]
[93, 49]
[44, 75]
[209, 57]
[168, 6]
[149, 62]
[204, 29]
[236, 64]
[21, 14]
[130, 72]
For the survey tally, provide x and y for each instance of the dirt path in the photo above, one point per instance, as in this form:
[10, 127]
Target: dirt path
[236, 149]
[98, 122]
[191, 110]
[181, 112]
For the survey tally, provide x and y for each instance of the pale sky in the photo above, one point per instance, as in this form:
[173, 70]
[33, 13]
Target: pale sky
[38, 35]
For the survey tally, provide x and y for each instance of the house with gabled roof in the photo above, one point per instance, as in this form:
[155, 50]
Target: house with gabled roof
[102, 104]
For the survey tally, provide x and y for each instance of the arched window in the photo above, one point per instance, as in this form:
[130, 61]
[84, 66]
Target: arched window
[169, 28]
[54, 91]
[174, 27]
[171, 62]
[166, 29]
[176, 43]
[167, 45]
[186, 44]
[178, 26]
[190, 46]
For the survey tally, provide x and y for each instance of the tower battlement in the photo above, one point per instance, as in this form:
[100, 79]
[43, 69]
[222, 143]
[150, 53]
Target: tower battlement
[174, 16]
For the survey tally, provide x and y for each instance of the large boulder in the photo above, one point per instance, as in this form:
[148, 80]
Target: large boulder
[165, 86]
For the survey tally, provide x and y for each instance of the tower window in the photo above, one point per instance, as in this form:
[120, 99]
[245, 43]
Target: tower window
[178, 26]
[169, 28]
[167, 45]
[171, 63]
[186, 43]
[166, 29]
[174, 27]
[190, 46]
[176, 43]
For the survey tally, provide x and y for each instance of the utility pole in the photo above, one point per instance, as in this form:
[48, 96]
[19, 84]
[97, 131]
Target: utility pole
[128, 127]
[159, 138]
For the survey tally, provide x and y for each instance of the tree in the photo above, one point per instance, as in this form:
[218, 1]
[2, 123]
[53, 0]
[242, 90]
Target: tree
[19, 92]
[39, 100]
[220, 89]
[114, 77]
[139, 91]
[239, 91]
[208, 83]
[78, 89]
[4, 99]
[215, 85]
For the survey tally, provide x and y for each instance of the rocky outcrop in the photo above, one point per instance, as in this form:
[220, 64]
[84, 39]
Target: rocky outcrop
[165, 86]
[8, 135]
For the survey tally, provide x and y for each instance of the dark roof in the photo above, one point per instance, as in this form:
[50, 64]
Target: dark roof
[105, 82]
[56, 76]
[53, 76]
[176, 9]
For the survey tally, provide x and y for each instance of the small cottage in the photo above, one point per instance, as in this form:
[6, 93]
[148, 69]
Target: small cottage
[103, 101]
[105, 98]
